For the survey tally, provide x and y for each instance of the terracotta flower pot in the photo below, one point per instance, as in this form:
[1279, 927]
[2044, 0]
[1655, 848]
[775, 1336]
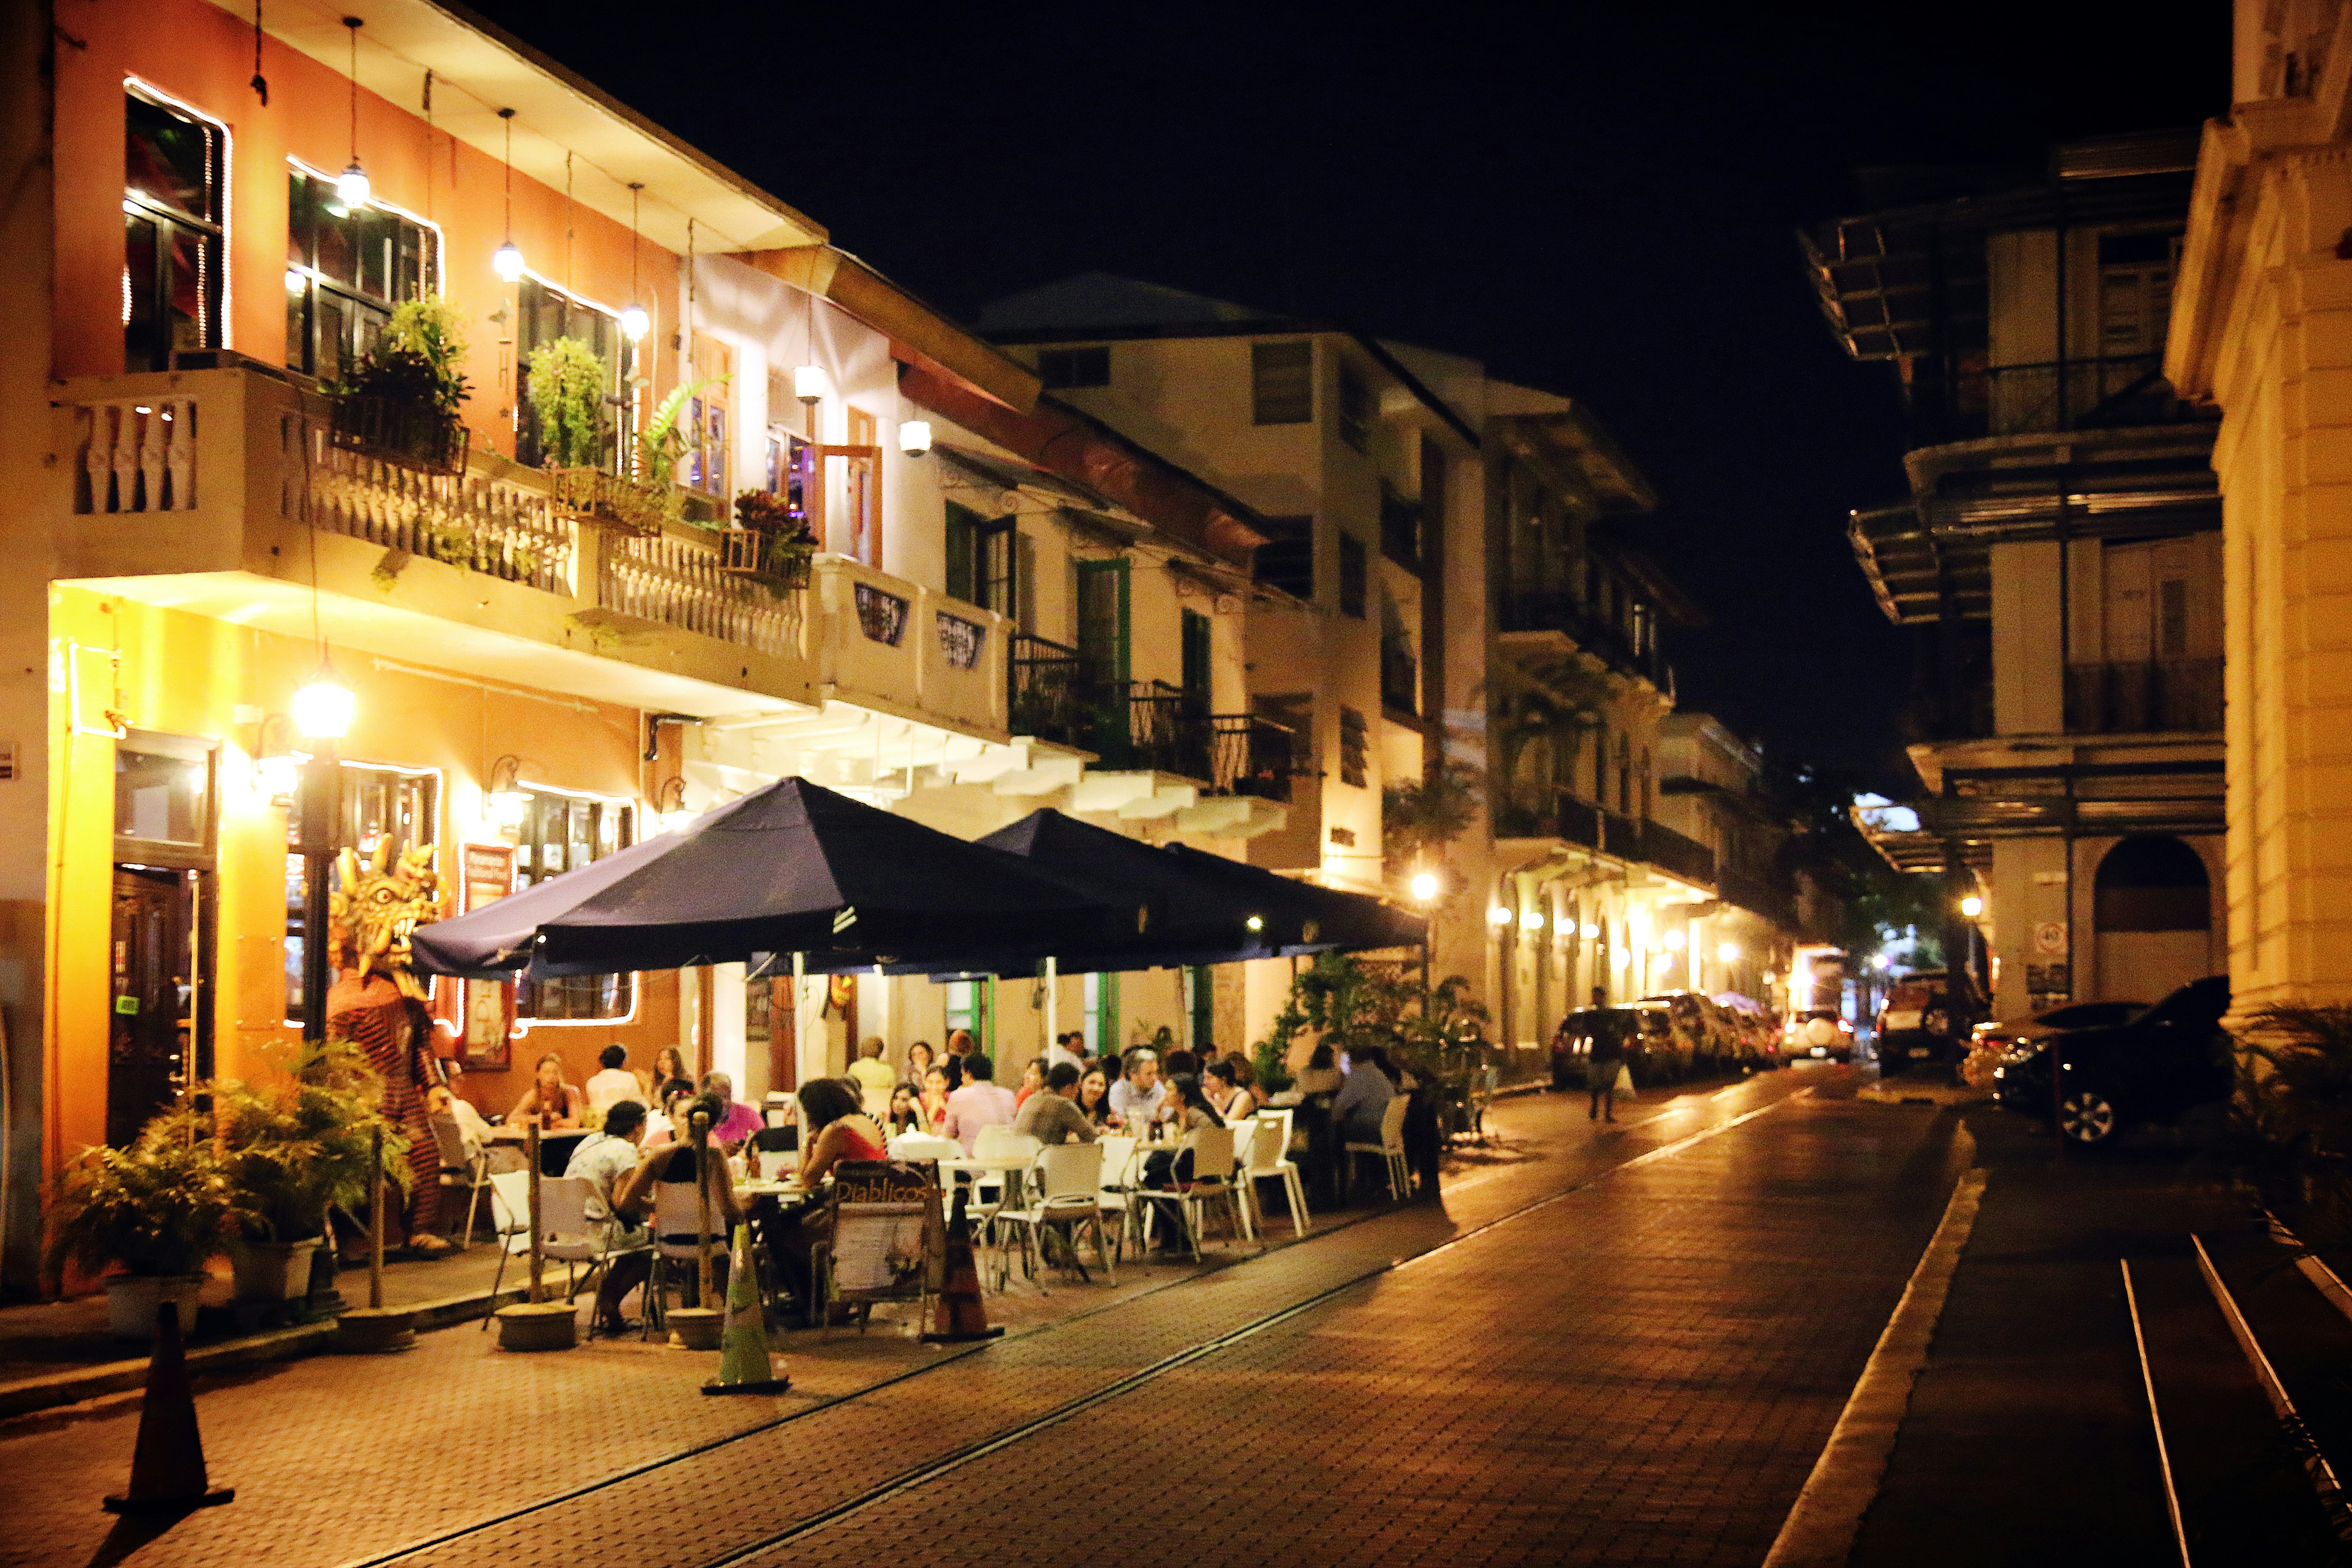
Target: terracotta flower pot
[546, 1326]
[696, 1327]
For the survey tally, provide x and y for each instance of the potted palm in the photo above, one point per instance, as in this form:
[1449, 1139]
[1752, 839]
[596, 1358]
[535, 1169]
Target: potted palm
[158, 1210]
[399, 403]
[293, 1147]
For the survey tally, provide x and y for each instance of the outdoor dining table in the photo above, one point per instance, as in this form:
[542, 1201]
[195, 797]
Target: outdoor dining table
[1013, 1168]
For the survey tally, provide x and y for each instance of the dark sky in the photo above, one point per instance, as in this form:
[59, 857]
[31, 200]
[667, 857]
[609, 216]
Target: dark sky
[1597, 199]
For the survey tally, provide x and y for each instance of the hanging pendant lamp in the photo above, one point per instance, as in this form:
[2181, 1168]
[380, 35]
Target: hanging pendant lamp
[506, 262]
[634, 321]
[352, 185]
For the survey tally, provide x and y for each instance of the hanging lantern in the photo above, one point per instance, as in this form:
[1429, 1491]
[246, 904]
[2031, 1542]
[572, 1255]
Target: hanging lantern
[808, 383]
[506, 262]
[636, 322]
[915, 436]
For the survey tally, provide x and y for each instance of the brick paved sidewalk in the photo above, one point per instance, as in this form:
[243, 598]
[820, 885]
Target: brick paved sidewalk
[336, 1459]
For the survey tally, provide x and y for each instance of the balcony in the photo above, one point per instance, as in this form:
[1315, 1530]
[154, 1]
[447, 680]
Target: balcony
[1556, 612]
[1161, 752]
[893, 645]
[219, 492]
[2147, 698]
[2104, 393]
[1588, 827]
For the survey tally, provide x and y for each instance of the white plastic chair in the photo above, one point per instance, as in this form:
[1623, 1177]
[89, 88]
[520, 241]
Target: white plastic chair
[1069, 1184]
[775, 1165]
[924, 1146]
[460, 1168]
[1000, 1142]
[1269, 1160]
[1213, 1181]
[572, 1238]
[1391, 1148]
[1121, 1168]
[510, 1213]
[678, 1211]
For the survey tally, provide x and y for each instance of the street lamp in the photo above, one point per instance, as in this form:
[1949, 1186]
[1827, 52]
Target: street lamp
[1972, 906]
[1728, 951]
[1424, 887]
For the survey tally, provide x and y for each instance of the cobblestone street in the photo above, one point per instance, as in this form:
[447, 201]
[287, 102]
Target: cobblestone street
[1611, 1344]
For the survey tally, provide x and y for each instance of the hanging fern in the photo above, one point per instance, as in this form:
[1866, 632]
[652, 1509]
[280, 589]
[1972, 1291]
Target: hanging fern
[567, 382]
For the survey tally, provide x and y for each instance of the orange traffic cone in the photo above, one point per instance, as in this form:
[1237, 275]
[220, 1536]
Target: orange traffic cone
[167, 1468]
[963, 1318]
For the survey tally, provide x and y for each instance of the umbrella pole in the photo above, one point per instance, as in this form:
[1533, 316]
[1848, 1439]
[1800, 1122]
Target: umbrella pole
[1053, 1032]
[800, 1016]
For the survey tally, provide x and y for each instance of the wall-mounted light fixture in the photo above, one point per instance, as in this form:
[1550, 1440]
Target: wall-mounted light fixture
[1498, 916]
[1532, 921]
[669, 805]
[277, 763]
[1728, 951]
[505, 803]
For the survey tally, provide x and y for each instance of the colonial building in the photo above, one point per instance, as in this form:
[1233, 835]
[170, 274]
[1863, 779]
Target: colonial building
[2262, 331]
[553, 630]
[2059, 558]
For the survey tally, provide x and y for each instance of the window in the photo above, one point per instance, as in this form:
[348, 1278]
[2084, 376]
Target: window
[1600, 763]
[1282, 384]
[345, 272]
[1353, 576]
[172, 230]
[1287, 559]
[792, 472]
[563, 832]
[2135, 293]
[1625, 775]
[379, 803]
[163, 791]
[545, 313]
[979, 554]
[967, 1008]
[1295, 710]
[1356, 408]
[1353, 744]
[1063, 370]
[1102, 1013]
[1103, 626]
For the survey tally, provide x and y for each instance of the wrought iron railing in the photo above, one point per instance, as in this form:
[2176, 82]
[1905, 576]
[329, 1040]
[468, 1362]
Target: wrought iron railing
[1557, 610]
[1533, 815]
[1250, 755]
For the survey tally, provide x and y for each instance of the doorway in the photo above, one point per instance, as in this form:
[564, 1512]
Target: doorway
[2152, 913]
[152, 1044]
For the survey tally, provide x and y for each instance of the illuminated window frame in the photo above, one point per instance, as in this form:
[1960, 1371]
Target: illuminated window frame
[148, 89]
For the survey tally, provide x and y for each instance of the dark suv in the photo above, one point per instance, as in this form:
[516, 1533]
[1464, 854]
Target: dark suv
[2165, 1060]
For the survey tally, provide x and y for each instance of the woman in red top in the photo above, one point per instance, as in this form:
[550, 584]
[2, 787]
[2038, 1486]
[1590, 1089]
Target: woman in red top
[834, 1128]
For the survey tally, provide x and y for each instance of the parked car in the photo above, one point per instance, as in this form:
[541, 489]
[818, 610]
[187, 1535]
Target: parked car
[1643, 1036]
[1992, 1045]
[2163, 1061]
[1820, 1035]
[1757, 1036]
[1705, 1035]
[1918, 1023]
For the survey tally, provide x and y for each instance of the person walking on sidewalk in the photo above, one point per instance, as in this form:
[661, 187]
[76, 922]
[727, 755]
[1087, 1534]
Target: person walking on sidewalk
[1600, 1068]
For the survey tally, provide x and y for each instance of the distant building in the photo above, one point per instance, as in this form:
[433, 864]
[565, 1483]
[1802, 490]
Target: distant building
[2059, 559]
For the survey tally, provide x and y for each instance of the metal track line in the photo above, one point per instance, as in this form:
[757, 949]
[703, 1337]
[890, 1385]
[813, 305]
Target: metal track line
[2315, 1463]
[923, 1475]
[2154, 1418]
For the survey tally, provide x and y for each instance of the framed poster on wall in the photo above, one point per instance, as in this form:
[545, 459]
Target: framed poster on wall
[487, 875]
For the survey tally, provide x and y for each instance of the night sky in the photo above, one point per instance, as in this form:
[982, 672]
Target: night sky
[1598, 200]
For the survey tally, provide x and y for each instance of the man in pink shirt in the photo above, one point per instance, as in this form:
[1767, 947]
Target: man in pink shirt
[979, 1103]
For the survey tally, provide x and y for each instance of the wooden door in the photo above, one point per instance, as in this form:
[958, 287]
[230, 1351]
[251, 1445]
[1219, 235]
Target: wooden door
[154, 989]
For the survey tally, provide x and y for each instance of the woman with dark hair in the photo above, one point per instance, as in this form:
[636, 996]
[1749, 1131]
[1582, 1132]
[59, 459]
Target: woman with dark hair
[1094, 1095]
[919, 1059]
[906, 1113]
[1225, 1091]
[677, 1163]
[1032, 1079]
[934, 1100]
[669, 1063]
[1166, 1167]
[834, 1128]
[1321, 1075]
[960, 1046]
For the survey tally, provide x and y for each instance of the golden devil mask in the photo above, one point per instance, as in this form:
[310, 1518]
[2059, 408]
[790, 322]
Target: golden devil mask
[380, 901]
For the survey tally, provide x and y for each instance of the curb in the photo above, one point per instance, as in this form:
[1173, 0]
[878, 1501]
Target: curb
[27, 1395]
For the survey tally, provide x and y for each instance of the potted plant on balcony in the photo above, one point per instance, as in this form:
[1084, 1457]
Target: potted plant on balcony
[292, 1147]
[158, 1210]
[399, 403]
[771, 545]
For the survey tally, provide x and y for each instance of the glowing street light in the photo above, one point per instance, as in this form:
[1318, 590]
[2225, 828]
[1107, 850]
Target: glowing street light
[323, 709]
[1424, 886]
[1972, 906]
[1728, 953]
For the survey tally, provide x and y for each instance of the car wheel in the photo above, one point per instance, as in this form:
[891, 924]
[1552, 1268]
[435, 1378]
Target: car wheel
[2086, 1118]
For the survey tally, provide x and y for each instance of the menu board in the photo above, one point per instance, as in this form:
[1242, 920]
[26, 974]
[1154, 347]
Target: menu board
[487, 875]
